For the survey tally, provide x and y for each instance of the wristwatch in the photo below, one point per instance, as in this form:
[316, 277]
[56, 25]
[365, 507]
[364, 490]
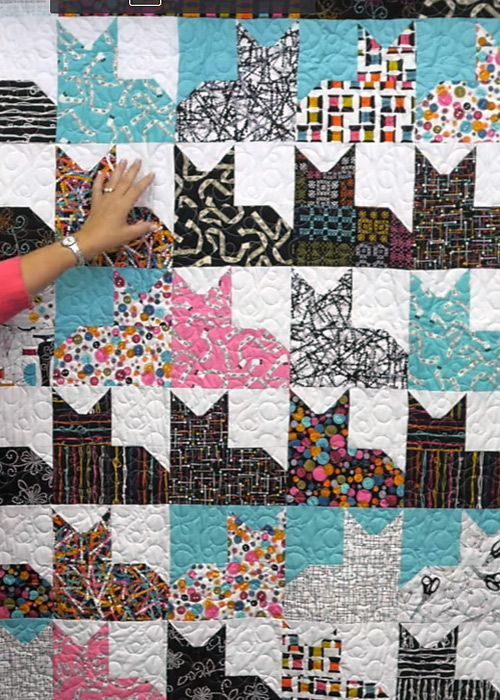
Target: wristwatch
[71, 243]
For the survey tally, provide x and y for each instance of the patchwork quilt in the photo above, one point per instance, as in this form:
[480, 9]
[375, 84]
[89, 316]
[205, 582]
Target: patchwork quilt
[255, 455]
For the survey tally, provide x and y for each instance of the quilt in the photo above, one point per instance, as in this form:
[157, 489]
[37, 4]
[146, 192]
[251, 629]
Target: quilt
[256, 454]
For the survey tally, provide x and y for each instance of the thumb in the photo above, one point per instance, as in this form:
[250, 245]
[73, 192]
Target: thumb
[139, 229]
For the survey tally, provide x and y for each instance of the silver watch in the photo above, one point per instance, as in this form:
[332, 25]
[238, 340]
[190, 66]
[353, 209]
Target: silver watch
[71, 243]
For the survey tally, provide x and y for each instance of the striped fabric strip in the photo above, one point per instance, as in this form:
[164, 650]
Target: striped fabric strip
[26, 113]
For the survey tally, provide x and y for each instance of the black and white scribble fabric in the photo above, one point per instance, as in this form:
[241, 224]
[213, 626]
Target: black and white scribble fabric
[258, 106]
[328, 351]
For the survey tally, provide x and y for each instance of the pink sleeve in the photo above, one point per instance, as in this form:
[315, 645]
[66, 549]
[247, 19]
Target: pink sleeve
[13, 294]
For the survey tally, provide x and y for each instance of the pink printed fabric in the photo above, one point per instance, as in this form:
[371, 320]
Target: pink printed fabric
[13, 295]
[79, 670]
[209, 351]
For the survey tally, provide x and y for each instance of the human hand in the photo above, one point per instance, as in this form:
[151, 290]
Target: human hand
[106, 227]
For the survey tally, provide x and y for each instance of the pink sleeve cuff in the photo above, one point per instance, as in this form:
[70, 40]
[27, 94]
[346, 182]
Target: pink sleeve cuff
[13, 294]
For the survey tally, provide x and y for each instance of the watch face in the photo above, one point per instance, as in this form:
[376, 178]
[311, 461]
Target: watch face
[69, 240]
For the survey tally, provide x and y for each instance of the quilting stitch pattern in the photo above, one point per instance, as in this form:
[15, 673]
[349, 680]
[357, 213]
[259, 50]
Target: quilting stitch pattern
[224, 483]
[377, 107]
[258, 106]
[458, 234]
[328, 351]
[211, 230]
[330, 230]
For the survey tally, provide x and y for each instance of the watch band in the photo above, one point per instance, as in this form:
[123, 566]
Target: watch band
[71, 243]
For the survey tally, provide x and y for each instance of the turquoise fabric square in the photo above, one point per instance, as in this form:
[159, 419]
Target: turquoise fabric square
[96, 106]
[84, 297]
[207, 52]
[445, 355]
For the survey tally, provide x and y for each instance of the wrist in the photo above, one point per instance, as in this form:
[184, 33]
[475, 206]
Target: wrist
[70, 243]
[86, 243]
[66, 256]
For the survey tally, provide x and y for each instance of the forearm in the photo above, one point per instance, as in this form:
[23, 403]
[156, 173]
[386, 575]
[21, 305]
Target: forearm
[106, 228]
[43, 266]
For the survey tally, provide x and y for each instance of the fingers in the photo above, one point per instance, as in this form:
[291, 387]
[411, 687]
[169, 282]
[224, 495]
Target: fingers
[116, 175]
[128, 177]
[123, 182]
[139, 229]
[138, 188]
